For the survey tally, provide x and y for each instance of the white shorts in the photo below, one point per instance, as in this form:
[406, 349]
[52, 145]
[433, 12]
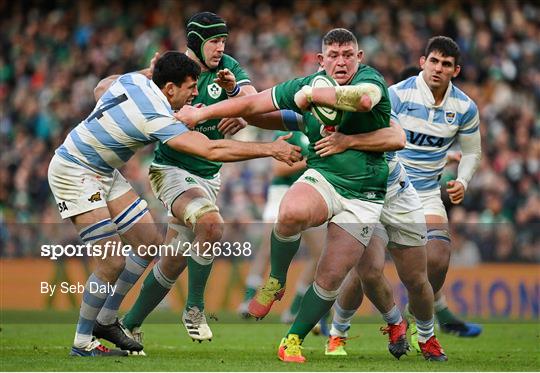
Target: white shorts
[168, 182]
[275, 195]
[78, 189]
[356, 216]
[402, 219]
[432, 203]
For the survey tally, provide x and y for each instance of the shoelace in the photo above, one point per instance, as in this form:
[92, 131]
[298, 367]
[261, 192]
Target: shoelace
[293, 347]
[335, 342]
[268, 293]
[195, 316]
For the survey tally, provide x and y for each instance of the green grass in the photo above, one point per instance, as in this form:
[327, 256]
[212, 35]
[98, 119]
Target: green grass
[43, 343]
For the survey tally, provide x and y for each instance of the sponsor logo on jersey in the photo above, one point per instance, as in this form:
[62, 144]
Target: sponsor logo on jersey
[190, 180]
[214, 90]
[311, 179]
[95, 197]
[425, 140]
[205, 129]
[450, 117]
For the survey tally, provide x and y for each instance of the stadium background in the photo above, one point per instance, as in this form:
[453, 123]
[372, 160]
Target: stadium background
[54, 53]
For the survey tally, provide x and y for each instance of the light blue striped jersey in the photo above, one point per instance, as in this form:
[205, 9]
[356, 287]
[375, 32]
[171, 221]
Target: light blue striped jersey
[431, 130]
[396, 171]
[133, 112]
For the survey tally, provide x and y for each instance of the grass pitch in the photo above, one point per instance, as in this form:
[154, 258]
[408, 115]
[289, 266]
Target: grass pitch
[31, 341]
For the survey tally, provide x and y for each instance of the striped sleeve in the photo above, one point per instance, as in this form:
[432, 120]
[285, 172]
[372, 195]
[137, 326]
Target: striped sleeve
[470, 121]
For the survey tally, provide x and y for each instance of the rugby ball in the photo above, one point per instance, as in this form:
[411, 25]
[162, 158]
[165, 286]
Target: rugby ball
[327, 116]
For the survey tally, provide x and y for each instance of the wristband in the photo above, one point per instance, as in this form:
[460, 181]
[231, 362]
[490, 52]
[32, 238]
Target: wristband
[235, 91]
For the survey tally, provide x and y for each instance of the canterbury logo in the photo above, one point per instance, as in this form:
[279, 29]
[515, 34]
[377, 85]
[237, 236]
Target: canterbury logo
[311, 179]
[95, 197]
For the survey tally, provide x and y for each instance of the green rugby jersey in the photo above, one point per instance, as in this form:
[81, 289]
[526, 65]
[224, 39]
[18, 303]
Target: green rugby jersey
[299, 139]
[354, 174]
[209, 93]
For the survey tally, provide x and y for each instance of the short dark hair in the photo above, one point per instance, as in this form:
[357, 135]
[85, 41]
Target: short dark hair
[174, 67]
[340, 36]
[445, 46]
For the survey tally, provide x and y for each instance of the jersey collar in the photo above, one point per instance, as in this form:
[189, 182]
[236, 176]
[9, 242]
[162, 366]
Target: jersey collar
[427, 94]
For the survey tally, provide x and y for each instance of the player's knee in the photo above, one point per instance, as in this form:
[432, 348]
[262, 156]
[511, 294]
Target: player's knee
[370, 273]
[290, 216]
[198, 211]
[416, 283]
[330, 279]
[210, 227]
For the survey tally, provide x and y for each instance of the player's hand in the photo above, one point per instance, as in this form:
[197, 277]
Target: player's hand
[285, 152]
[301, 100]
[335, 143]
[189, 115]
[456, 191]
[230, 126]
[226, 80]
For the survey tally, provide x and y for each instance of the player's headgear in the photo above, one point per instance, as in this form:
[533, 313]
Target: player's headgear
[201, 28]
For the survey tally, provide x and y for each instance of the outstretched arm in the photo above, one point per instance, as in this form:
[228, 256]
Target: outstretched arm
[382, 140]
[360, 97]
[237, 107]
[195, 143]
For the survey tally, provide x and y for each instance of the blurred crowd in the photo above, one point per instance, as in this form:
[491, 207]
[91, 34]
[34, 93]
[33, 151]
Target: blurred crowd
[53, 54]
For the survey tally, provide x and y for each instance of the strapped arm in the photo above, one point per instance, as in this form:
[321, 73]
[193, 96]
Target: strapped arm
[470, 160]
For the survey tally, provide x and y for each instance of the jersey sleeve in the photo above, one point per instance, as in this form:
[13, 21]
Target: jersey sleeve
[283, 94]
[470, 121]
[164, 128]
[159, 122]
[395, 101]
[242, 77]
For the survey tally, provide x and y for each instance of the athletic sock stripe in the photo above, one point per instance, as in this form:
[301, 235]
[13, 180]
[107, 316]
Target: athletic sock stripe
[99, 236]
[141, 262]
[123, 214]
[133, 220]
[281, 238]
[94, 227]
[85, 326]
[442, 238]
[325, 294]
[129, 276]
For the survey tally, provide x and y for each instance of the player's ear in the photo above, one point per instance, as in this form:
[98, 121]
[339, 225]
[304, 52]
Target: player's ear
[320, 59]
[456, 71]
[422, 61]
[360, 55]
[168, 89]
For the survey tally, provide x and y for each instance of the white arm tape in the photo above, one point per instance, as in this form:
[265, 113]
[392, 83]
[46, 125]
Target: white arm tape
[472, 152]
[347, 96]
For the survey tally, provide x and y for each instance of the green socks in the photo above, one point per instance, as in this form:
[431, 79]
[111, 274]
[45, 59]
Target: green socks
[155, 287]
[198, 273]
[282, 251]
[316, 303]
